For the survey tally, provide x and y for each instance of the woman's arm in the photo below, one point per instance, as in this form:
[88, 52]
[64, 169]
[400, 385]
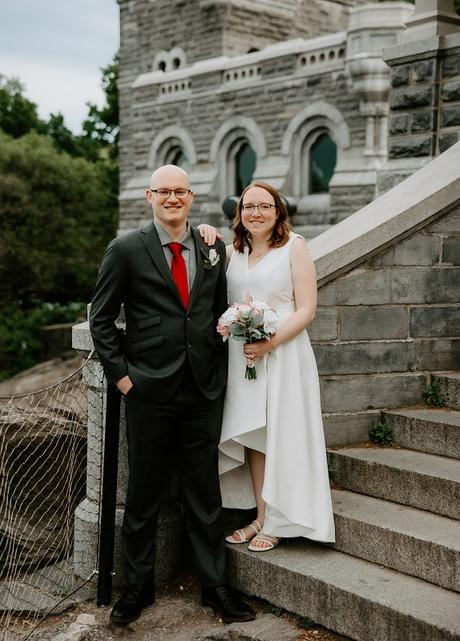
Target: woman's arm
[305, 292]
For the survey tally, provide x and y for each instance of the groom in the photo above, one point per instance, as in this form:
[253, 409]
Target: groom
[171, 366]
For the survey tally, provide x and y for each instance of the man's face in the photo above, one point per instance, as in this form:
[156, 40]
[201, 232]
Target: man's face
[170, 209]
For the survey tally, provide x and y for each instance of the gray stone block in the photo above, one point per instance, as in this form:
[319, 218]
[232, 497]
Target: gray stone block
[365, 357]
[410, 97]
[357, 393]
[348, 428]
[437, 354]
[447, 140]
[424, 285]
[361, 286]
[392, 285]
[406, 539]
[449, 386]
[435, 321]
[435, 431]
[399, 75]
[424, 70]
[421, 121]
[373, 322]
[266, 627]
[410, 147]
[451, 91]
[345, 594]
[420, 480]
[324, 327]
[450, 116]
[451, 66]
[451, 250]
[419, 249]
[399, 124]
[447, 224]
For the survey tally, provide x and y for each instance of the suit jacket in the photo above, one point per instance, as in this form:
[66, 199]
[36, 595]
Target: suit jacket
[160, 334]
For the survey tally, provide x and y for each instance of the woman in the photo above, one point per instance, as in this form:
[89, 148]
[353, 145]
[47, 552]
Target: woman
[272, 451]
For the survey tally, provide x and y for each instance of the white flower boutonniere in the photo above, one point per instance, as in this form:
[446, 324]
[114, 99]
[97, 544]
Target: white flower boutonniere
[211, 259]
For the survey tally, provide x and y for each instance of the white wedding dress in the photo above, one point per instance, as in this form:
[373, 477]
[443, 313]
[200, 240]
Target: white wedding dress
[279, 414]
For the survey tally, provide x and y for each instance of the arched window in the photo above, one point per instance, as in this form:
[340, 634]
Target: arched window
[322, 160]
[245, 165]
[176, 156]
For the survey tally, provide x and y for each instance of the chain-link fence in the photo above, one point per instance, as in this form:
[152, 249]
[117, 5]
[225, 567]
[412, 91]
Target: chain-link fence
[43, 473]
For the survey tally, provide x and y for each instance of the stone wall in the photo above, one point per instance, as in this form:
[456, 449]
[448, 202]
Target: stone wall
[385, 323]
[306, 77]
[425, 102]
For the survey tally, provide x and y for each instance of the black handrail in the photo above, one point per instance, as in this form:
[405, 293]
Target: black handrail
[109, 496]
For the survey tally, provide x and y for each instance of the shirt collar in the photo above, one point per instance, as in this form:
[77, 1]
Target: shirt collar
[165, 238]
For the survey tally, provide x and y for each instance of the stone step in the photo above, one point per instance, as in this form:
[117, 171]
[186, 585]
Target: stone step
[417, 479]
[449, 386]
[436, 431]
[403, 538]
[351, 596]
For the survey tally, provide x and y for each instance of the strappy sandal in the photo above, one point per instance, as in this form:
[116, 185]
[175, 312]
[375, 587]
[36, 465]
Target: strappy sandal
[255, 525]
[272, 541]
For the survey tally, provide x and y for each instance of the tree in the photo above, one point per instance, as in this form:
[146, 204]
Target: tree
[102, 124]
[56, 218]
[18, 115]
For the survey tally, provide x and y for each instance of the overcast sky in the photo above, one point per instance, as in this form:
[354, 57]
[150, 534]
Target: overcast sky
[56, 48]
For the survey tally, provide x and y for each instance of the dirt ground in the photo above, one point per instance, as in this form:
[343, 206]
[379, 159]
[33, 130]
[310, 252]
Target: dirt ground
[177, 615]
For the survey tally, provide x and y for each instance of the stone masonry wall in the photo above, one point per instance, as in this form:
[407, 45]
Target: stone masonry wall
[424, 104]
[382, 327]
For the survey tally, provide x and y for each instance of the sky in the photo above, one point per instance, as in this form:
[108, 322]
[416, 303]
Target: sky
[57, 48]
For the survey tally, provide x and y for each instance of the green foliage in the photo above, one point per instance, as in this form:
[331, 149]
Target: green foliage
[433, 395]
[305, 623]
[382, 434]
[20, 340]
[18, 115]
[55, 221]
[102, 124]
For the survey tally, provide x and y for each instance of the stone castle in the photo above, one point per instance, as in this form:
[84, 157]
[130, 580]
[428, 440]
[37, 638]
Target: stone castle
[293, 92]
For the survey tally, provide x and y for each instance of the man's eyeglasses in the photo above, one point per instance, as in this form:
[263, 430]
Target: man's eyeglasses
[249, 208]
[166, 193]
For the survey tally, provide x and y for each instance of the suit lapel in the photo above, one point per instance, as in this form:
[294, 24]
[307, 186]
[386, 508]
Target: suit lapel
[200, 248]
[151, 240]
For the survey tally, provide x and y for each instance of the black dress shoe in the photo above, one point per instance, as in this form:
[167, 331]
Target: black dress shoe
[223, 600]
[129, 606]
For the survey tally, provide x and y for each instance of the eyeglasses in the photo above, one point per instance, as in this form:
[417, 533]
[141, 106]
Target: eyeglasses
[261, 207]
[166, 193]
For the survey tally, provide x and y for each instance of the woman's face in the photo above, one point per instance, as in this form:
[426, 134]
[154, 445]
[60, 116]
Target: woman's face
[258, 213]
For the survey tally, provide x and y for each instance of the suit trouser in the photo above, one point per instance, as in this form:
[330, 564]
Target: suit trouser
[190, 424]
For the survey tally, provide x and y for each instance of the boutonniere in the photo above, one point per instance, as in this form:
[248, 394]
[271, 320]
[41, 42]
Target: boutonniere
[210, 259]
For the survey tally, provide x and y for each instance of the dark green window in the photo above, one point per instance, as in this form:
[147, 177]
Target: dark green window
[323, 158]
[245, 164]
[180, 160]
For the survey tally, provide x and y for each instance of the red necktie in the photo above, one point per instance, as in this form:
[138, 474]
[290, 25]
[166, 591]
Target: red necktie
[179, 271]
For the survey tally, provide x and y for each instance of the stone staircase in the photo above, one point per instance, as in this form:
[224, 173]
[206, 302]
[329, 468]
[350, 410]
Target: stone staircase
[394, 571]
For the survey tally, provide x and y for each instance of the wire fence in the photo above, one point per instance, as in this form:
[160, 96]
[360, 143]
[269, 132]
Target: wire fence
[43, 475]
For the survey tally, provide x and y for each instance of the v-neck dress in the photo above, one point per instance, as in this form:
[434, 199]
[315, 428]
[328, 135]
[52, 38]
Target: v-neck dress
[278, 413]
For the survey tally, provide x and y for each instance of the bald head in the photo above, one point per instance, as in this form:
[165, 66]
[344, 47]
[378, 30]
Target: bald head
[169, 175]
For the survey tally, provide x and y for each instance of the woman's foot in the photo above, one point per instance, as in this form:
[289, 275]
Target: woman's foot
[246, 534]
[263, 542]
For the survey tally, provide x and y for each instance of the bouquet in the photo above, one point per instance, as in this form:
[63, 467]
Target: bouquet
[248, 322]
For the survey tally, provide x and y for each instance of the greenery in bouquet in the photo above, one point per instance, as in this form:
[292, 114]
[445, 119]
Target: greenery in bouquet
[247, 323]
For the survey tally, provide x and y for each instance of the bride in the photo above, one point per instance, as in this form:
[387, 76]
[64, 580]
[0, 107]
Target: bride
[272, 452]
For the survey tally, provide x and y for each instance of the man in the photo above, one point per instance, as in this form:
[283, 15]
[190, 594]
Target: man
[171, 365]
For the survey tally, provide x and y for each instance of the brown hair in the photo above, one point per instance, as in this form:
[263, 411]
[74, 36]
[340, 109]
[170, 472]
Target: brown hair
[280, 232]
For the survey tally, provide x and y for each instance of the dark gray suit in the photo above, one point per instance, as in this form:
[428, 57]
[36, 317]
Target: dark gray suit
[178, 365]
